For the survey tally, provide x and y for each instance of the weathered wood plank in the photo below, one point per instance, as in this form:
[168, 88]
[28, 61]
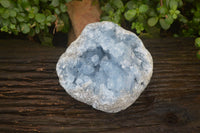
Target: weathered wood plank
[31, 99]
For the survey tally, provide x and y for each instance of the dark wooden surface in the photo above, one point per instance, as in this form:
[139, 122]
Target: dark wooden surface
[32, 100]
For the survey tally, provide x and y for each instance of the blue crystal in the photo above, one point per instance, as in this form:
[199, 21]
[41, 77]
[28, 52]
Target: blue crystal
[104, 65]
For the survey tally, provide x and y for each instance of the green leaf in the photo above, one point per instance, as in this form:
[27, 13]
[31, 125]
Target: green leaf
[13, 20]
[57, 11]
[107, 8]
[121, 9]
[25, 28]
[169, 19]
[177, 12]
[152, 21]
[55, 3]
[133, 25]
[34, 9]
[40, 18]
[5, 22]
[143, 8]
[42, 26]
[5, 3]
[26, 4]
[47, 12]
[12, 13]
[164, 24]
[118, 3]
[167, 2]
[16, 10]
[174, 16]
[51, 18]
[4, 28]
[31, 15]
[130, 14]
[163, 10]
[12, 26]
[130, 4]
[19, 7]
[5, 14]
[20, 18]
[63, 8]
[111, 13]
[48, 24]
[116, 19]
[197, 42]
[173, 4]
[139, 27]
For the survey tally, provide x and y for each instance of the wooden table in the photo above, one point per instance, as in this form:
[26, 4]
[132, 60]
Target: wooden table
[32, 100]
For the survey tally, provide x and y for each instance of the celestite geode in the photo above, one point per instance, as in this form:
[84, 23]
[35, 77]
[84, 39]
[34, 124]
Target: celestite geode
[107, 67]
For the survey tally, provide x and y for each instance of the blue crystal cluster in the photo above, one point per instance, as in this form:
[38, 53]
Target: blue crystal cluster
[106, 67]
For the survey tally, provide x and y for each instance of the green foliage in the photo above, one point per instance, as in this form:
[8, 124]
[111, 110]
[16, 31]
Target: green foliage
[130, 14]
[152, 21]
[33, 16]
[142, 14]
[150, 16]
[197, 42]
[192, 27]
[113, 10]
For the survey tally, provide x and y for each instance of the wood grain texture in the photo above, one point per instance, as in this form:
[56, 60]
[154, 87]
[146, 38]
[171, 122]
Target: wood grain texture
[31, 99]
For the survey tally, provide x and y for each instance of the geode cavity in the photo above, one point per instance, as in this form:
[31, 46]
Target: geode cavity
[107, 67]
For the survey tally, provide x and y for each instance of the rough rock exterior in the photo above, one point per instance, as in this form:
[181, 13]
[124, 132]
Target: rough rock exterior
[107, 67]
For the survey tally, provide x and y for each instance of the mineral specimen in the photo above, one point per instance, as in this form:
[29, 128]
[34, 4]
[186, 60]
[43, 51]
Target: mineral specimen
[107, 67]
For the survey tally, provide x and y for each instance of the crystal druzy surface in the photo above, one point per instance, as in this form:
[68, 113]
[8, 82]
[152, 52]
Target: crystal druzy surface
[107, 67]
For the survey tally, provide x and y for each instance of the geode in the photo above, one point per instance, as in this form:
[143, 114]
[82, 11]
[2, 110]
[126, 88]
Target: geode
[106, 67]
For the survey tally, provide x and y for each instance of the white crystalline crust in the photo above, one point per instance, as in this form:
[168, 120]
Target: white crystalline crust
[107, 67]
